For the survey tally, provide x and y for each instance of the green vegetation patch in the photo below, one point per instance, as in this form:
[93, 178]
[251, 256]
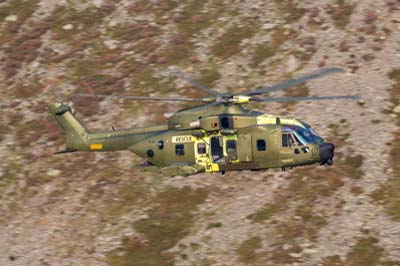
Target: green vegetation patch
[214, 225]
[341, 13]
[88, 74]
[289, 10]
[395, 90]
[266, 50]
[207, 76]
[310, 184]
[28, 132]
[176, 54]
[365, 252]
[10, 173]
[24, 90]
[82, 20]
[145, 81]
[168, 221]
[262, 52]
[307, 225]
[297, 91]
[128, 196]
[159, 8]
[334, 260]
[229, 43]
[368, 252]
[339, 133]
[133, 32]
[247, 250]
[20, 8]
[354, 164]
[23, 48]
[192, 19]
[389, 193]
[348, 164]
[265, 213]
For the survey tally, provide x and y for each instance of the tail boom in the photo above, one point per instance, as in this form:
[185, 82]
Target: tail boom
[78, 138]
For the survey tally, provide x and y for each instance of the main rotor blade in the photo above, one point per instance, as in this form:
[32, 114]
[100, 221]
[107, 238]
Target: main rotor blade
[294, 82]
[147, 98]
[216, 103]
[195, 83]
[305, 98]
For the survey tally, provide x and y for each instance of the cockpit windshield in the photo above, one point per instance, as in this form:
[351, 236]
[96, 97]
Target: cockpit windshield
[304, 135]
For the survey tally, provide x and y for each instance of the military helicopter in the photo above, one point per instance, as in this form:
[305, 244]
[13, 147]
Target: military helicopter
[216, 136]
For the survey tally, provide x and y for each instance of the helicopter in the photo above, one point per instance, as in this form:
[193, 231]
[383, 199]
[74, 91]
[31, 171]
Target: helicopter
[217, 135]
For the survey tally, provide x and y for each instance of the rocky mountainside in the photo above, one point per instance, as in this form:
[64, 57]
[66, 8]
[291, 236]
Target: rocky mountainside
[99, 209]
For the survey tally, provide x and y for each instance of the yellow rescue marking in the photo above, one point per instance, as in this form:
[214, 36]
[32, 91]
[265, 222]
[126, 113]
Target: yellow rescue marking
[214, 167]
[182, 139]
[96, 146]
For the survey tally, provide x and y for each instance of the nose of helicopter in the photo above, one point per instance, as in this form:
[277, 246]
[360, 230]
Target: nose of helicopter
[326, 153]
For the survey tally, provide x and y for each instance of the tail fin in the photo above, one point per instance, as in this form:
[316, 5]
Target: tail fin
[75, 133]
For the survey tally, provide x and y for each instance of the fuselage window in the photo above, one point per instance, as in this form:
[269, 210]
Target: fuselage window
[150, 153]
[231, 150]
[180, 149]
[261, 145]
[225, 122]
[201, 148]
[160, 144]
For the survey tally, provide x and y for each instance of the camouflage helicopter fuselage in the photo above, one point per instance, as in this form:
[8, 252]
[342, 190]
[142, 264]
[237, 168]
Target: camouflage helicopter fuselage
[206, 139]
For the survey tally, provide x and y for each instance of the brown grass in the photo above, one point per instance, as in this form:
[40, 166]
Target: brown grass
[289, 10]
[23, 10]
[247, 250]
[169, 221]
[340, 13]
[265, 213]
[229, 43]
[389, 193]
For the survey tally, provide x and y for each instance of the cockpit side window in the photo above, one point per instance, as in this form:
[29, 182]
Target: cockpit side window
[290, 140]
[285, 140]
[296, 140]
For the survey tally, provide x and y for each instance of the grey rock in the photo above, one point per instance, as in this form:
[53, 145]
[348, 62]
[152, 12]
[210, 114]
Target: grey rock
[295, 255]
[111, 44]
[53, 172]
[68, 27]
[310, 251]
[268, 26]
[11, 18]
[292, 63]
[396, 109]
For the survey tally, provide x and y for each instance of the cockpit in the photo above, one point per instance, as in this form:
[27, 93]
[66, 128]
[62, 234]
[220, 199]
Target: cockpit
[298, 136]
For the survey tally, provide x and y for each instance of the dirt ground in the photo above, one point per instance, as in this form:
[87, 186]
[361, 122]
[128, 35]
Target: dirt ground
[99, 209]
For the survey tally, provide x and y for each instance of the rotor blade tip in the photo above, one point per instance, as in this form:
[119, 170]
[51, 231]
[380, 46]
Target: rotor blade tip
[336, 69]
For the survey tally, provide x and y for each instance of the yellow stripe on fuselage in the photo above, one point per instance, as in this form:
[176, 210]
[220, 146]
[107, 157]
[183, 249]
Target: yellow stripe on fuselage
[96, 146]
